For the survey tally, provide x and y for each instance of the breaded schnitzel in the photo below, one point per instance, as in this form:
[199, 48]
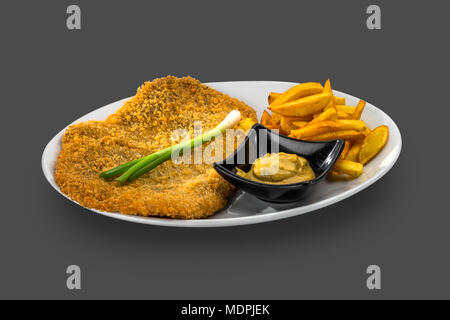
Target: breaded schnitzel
[142, 126]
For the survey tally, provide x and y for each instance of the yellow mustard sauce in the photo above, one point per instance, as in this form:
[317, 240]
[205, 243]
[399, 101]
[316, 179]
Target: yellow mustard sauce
[279, 168]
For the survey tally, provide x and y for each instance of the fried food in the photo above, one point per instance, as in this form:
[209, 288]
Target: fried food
[351, 168]
[286, 126]
[326, 115]
[303, 106]
[339, 100]
[296, 92]
[272, 96]
[300, 124]
[373, 144]
[266, 119]
[348, 135]
[327, 126]
[353, 153]
[346, 109]
[308, 111]
[344, 152]
[142, 126]
[359, 110]
[276, 119]
[327, 88]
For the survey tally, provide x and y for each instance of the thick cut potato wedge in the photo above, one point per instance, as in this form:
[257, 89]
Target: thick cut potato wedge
[300, 124]
[353, 153]
[348, 135]
[339, 101]
[276, 118]
[326, 126]
[286, 126]
[359, 110]
[329, 114]
[344, 152]
[303, 106]
[352, 168]
[266, 119]
[333, 175]
[272, 96]
[299, 91]
[373, 144]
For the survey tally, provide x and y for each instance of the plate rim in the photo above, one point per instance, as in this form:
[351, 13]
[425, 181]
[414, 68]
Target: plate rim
[235, 221]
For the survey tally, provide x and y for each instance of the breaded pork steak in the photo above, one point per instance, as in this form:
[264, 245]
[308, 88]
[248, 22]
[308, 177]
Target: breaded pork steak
[142, 126]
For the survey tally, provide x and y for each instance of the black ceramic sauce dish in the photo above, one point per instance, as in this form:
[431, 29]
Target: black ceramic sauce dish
[259, 141]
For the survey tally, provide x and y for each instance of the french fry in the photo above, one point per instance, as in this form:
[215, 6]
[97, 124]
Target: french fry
[353, 153]
[266, 119]
[327, 88]
[339, 101]
[326, 115]
[344, 152]
[350, 135]
[373, 144]
[300, 124]
[311, 112]
[359, 110]
[286, 126]
[303, 106]
[343, 115]
[346, 109]
[299, 91]
[327, 126]
[272, 96]
[276, 118]
[352, 168]
[333, 175]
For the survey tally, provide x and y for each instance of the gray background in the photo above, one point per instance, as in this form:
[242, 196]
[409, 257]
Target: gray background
[51, 76]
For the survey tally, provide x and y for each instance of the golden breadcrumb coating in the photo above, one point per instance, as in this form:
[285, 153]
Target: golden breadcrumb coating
[143, 125]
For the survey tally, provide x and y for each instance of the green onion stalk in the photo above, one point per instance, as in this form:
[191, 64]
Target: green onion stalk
[134, 169]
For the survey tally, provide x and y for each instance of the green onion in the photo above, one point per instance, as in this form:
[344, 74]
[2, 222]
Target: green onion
[134, 169]
[118, 170]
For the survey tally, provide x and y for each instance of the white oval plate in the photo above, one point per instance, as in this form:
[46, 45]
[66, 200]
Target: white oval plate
[244, 208]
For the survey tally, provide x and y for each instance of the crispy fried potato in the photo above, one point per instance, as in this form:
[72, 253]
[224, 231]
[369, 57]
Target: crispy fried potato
[353, 153]
[266, 119]
[329, 114]
[326, 126]
[346, 109]
[339, 101]
[300, 124]
[276, 118]
[344, 152]
[368, 131]
[359, 110]
[373, 144]
[303, 106]
[296, 92]
[350, 135]
[337, 176]
[286, 126]
[272, 96]
[344, 115]
[352, 168]
[327, 88]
